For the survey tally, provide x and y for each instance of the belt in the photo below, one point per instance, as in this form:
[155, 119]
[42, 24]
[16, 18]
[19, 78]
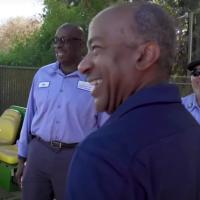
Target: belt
[56, 144]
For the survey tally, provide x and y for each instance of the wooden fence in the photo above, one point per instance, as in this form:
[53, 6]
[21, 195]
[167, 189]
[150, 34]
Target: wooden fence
[15, 83]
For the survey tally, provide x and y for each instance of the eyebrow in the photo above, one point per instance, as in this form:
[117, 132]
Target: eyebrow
[94, 39]
[74, 38]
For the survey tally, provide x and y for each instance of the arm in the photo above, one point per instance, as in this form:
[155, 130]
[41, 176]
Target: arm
[26, 127]
[25, 136]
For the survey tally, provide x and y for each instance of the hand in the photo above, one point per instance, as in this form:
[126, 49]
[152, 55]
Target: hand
[19, 172]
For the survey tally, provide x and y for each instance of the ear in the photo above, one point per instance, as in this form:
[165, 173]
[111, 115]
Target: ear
[149, 54]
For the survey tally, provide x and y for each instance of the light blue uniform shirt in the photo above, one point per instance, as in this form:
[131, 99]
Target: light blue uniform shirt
[192, 106]
[59, 108]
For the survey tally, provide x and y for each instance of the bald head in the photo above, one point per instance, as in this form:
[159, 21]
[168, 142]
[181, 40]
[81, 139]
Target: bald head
[130, 46]
[72, 29]
[69, 46]
[148, 22]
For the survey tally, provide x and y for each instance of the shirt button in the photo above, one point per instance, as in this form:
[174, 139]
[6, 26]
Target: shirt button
[58, 106]
[190, 105]
[61, 90]
[57, 122]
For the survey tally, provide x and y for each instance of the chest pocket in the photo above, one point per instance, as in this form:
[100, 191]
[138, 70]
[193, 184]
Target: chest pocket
[41, 94]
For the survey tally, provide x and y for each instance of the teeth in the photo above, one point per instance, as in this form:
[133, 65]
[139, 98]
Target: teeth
[92, 87]
[96, 82]
[59, 54]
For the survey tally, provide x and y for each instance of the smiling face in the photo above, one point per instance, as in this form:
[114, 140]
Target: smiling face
[124, 55]
[110, 62]
[195, 80]
[68, 44]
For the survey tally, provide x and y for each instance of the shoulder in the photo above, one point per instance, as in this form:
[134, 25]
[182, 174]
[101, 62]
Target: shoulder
[48, 68]
[188, 97]
[188, 100]
[175, 149]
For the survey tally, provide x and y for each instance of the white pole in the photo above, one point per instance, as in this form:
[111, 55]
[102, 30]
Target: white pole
[190, 36]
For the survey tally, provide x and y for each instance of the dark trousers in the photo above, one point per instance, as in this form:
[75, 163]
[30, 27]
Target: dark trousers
[45, 173]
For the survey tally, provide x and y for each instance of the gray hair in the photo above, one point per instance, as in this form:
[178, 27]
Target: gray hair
[154, 24]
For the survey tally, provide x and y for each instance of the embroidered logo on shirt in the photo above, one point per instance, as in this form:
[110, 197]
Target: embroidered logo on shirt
[43, 84]
[85, 86]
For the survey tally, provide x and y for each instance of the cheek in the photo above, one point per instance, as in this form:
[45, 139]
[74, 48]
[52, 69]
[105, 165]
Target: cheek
[195, 83]
[101, 64]
[109, 69]
[107, 66]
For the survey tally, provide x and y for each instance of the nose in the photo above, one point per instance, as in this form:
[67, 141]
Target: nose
[85, 65]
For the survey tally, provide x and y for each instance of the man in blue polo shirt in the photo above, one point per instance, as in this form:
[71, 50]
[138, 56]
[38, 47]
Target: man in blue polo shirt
[60, 114]
[192, 101]
[149, 149]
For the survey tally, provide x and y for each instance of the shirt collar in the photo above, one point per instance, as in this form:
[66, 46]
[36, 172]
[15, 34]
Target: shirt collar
[160, 93]
[56, 69]
[193, 103]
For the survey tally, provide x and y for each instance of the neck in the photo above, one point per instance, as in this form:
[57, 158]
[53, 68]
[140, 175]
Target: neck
[153, 78]
[67, 69]
[198, 99]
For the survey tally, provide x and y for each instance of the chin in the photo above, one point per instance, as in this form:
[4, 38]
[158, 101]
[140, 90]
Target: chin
[60, 61]
[99, 106]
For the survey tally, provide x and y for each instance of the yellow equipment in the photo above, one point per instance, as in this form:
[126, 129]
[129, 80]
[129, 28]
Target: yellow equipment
[9, 126]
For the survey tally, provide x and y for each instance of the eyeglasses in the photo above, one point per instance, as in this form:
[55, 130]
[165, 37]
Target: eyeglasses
[195, 73]
[63, 40]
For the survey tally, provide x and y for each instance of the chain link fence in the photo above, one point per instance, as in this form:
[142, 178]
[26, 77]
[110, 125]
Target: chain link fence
[183, 83]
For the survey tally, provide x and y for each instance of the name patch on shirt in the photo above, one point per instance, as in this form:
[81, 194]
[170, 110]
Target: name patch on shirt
[43, 84]
[85, 86]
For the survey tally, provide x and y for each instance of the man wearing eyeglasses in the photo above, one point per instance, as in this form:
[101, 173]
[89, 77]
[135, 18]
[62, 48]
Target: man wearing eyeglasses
[60, 114]
[192, 101]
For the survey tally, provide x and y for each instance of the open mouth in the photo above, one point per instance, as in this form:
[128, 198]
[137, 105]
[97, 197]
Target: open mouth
[59, 54]
[96, 84]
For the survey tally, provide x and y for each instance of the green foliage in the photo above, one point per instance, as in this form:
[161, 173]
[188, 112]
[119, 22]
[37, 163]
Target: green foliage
[37, 50]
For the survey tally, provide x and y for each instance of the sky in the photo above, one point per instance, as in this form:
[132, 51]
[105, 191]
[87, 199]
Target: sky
[21, 8]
